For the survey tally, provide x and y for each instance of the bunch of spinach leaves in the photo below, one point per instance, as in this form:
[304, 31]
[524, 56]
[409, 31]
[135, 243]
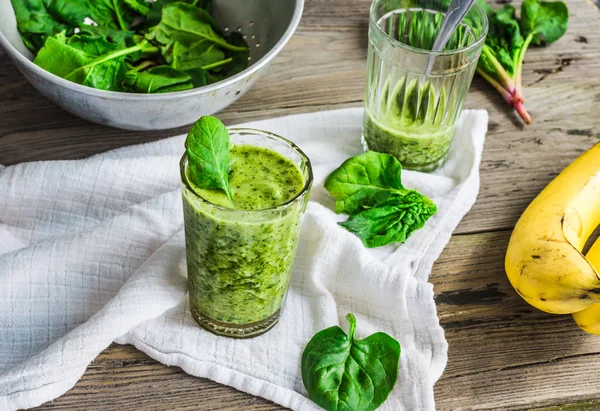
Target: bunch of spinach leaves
[368, 188]
[508, 39]
[342, 373]
[130, 45]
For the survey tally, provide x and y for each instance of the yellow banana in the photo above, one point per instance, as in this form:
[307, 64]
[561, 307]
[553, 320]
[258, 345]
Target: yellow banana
[589, 319]
[543, 261]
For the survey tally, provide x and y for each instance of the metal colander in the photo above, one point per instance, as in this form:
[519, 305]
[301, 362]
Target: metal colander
[266, 24]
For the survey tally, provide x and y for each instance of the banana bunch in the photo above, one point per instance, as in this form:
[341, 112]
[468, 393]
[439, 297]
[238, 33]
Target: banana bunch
[544, 260]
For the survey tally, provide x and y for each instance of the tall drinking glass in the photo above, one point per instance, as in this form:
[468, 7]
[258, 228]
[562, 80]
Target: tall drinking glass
[240, 260]
[411, 112]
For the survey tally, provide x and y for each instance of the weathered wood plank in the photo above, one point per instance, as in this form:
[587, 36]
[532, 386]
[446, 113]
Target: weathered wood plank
[503, 353]
[123, 378]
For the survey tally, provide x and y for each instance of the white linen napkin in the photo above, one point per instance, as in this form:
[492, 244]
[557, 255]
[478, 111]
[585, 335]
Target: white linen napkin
[91, 252]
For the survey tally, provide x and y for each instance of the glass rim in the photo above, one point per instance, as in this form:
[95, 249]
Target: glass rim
[400, 44]
[298, 150]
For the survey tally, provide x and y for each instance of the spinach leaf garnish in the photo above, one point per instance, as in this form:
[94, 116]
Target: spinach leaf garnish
[207, 146]
[368, 188]
[342, 373]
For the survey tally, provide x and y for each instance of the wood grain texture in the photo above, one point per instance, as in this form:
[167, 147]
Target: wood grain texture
[503, 354]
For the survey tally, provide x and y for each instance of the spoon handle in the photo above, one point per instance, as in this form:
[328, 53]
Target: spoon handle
[457, 11]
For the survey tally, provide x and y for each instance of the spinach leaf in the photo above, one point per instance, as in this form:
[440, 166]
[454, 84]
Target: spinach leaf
[197, 59]
[207, 146]
[360, 178]
[342, 373]
[381, 211]
[140, 6]
[188, 24]
[199, 76]
[87, 60]
[238, 57]
[71, 12]
[122, 38]
[119, 14]
[391, 219]
[39, 19]
[155, 13]
[160, 79]
[545, 21]
[200, 54]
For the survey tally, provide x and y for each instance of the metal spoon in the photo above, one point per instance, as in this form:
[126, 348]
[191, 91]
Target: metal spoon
[457, 11]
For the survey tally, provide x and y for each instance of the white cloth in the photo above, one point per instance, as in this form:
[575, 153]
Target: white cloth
[91, 252]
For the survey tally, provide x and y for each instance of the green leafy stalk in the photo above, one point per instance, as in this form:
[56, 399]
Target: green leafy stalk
[120, 18]
[217, 64]
[501, 62]
[342, 373]
[207, 146]
[381, 211]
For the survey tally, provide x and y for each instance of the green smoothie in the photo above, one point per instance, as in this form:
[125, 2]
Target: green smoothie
[422, 147]
[240, 252]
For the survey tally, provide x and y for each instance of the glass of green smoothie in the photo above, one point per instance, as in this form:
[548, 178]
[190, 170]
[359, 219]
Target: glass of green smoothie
[240, 250]
[411, 110]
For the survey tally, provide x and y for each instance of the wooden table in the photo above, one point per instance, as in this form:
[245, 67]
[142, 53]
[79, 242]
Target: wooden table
[503, 353]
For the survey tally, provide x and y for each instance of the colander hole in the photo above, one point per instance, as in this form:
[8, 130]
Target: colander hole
[244, 37]
[257, 45]
[249, 58]
[251, 23]
[226, 29]
[239, 29]
[253, 36]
